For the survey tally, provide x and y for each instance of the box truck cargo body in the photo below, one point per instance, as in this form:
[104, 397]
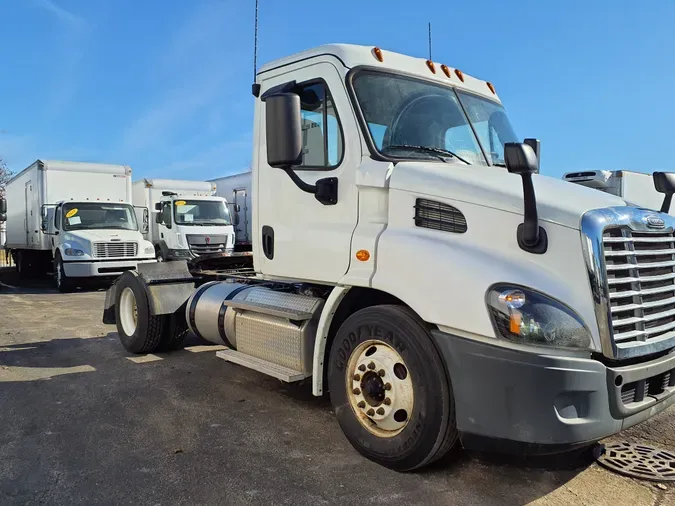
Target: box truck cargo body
[76, 217]
[634, 187]
[238, 192]
[190, 220]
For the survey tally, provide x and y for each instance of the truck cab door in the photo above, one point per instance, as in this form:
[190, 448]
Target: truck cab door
[164, 226]
[297, 236]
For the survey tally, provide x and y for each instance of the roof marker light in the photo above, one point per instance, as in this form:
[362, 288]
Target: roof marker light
[492, 88]
[431, 66]
[446, 70]
[378, 54]
[459, 74]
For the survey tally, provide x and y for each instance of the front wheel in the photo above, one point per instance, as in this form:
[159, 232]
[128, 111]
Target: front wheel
[389, 389]
[64, 284]
[139, 331]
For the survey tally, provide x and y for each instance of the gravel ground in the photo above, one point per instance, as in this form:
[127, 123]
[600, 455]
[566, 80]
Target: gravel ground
[84, 422]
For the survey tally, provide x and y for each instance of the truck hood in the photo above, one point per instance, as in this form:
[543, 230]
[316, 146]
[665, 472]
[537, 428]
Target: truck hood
[103, 235]
[558, 201]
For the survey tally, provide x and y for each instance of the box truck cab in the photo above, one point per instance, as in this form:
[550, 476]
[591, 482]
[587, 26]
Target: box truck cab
[75, 219]
[190, 220]
[238, 192]
[409, 259]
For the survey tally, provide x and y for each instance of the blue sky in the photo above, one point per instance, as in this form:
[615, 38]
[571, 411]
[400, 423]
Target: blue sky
[164, 85]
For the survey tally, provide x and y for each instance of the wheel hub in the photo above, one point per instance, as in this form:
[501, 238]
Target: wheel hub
[379, 388]
[128, 311]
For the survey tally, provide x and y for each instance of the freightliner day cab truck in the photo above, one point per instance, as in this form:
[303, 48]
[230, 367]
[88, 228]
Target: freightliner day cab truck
[75, 219]
[189, 219]
[409, 260]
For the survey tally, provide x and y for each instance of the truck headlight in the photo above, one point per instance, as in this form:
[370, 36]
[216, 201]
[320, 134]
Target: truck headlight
[149, 250]
[528, 317]
[73, 252]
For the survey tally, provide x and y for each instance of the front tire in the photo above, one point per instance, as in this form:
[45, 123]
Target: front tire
[389, 389]
[139, 331]
[64, 284]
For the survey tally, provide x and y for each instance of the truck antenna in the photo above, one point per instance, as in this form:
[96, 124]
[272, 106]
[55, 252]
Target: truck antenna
[255, 42]
[430, 40]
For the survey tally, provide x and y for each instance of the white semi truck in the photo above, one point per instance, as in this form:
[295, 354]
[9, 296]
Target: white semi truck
[634, 187]
[237, 189]
[75, 219]
[190, 220]
[408, 258]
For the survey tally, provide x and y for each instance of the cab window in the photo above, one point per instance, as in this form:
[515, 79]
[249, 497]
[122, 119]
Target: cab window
[322, 143]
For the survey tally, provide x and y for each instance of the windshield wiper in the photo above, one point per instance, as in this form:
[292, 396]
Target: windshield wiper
[441, 154]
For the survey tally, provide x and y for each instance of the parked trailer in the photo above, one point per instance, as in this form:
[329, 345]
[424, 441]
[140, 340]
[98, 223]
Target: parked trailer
[189, 219]
[238, 191]
[408, 258]
[75, 219]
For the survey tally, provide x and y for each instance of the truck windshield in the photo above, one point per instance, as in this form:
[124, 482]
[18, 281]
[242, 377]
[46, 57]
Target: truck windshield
[413, 118]
[201, 212]
[94, 215]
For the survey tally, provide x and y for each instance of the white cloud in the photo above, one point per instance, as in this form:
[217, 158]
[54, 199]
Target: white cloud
[62, 14]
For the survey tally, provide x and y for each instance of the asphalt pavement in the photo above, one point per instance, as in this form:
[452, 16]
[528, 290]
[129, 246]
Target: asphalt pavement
[84, 422]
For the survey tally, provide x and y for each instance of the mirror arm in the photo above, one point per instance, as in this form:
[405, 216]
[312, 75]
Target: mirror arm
[665, 207]
[531, 237]
[325, 190]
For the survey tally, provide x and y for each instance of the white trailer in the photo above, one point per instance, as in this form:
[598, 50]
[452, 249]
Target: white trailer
[238, 192]
[408, 258]
[75, 217]
[634, 187]
[190, 220]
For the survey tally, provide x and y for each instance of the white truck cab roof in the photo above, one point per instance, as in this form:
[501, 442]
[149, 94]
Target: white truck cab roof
[353, 56]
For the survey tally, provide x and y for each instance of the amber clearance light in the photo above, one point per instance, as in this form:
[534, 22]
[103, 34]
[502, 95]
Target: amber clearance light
[378, 54]
[459, 74]
[431, 66]
[446, 70]
[492, 88]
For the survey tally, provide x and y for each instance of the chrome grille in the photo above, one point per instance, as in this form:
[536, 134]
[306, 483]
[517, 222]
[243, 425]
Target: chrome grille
[115, 249]
[207, 244]
[640, 273]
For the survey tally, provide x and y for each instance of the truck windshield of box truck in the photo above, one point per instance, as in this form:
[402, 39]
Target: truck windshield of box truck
[92, 215]
[201, 212]
[415, 118]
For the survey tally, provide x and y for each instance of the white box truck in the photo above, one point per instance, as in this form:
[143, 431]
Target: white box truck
[190, 221]
[238, 192]
[409, 260]
[75, 219]
[634, 187]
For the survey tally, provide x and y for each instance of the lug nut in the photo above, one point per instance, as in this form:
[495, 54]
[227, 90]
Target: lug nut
[361, 404]
[371, 366]
[381, 372]
[370, 412]
[380, 411]
[362, 368]
[387, 386]
[357, 377]
[387, 401]
[357, 391]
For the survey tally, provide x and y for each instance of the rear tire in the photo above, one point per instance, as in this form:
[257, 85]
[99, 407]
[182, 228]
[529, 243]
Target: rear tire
[389, 389]
[139, 331]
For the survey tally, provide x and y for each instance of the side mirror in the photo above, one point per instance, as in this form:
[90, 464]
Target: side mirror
[664, 182]
[146, 221]
[284, 130]
[3, 209]
[521, 159]
[237, 208]
[158, 206]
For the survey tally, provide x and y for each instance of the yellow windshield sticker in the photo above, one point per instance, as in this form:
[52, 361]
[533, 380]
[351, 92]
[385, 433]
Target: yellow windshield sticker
[180, 202]
[71, 213]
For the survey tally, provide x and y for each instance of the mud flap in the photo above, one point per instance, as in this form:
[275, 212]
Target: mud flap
[168, 286]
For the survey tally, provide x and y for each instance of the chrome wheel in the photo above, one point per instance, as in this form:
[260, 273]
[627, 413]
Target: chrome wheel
[379, 388]
[128, 311]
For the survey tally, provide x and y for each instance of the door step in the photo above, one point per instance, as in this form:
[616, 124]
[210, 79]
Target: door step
[276, 371]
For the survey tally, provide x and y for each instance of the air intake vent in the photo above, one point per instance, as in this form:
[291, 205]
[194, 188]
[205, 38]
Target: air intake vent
[438, 216]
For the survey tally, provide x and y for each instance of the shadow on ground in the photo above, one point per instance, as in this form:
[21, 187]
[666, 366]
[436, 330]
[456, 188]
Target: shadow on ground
[84, 424]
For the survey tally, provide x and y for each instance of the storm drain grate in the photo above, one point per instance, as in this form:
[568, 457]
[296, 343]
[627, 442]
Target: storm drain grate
[639, 461]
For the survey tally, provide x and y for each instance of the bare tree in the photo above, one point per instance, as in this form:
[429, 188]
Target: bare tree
[5, 176]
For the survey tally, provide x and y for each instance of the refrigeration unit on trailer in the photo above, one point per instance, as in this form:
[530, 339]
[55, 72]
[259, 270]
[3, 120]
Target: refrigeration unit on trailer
[73, 218]
[409, 259]
[238, 192]
[190, 220]
[634, 187]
